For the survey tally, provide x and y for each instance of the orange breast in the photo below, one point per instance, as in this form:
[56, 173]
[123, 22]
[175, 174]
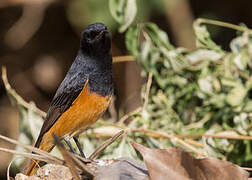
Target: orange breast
[85, 110]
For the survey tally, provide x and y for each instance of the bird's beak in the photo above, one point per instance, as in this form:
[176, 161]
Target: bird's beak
[100, 34]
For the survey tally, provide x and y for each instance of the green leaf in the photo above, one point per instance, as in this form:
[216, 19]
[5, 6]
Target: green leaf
[158, 36]
[241, 123]
[248, 106]
[239, 43]
[116, 9]
[205, 84]
[131, 40]
[241, 60]
[203, 54]
[236, 95]
[124, 12]
[203, 38]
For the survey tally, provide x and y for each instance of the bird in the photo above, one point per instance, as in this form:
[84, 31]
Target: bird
[84, 94]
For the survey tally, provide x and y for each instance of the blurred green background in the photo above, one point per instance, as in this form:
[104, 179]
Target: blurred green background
[39, 40]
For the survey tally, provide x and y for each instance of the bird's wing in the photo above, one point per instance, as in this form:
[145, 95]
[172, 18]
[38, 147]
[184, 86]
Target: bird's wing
[62, 100]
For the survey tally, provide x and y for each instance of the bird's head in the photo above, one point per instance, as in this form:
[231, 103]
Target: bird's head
[95, 39]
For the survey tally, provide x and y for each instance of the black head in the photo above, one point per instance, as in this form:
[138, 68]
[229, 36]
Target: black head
[95, 39]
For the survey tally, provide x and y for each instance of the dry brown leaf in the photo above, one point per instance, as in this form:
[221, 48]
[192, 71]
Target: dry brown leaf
[175, 163]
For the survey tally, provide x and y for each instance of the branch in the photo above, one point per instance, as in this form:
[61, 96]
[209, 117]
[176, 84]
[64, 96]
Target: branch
[147, 92]
[105, 144]
[165, 135]
[223, 24]
[118, 59]
[126, 116]
[33, 149]
[19, 99]
[238, 137]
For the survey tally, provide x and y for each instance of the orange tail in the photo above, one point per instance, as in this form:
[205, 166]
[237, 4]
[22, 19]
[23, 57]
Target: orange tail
[33, 165]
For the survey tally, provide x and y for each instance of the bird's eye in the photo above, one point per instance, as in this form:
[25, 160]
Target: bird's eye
[92, 34]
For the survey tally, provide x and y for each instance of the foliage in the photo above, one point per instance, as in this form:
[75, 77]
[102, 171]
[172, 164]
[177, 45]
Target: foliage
[123, 11]
[207, 90]
[204, 91]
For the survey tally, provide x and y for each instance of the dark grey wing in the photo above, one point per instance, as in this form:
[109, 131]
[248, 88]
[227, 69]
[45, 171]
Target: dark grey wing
[68, 91]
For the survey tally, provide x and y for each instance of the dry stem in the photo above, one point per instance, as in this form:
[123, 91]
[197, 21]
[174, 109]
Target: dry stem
[33, 149]
[118, 59]
[126, 116]
[18, 98]
[147, 92]
[105, 144]
[223, 24]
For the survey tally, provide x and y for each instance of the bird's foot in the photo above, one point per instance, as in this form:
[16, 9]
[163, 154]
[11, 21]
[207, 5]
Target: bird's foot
[70, 146]
[79, 147]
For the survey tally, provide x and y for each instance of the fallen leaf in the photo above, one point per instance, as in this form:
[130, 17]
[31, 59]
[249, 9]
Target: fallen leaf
[174, 163]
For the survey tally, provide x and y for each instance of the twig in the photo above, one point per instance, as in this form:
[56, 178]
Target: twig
[223, 24]
[238, 137]
[36, 150]
[118, 59]
[147, 92]
[126, 116]
[152, 134]
[112, 110]
[8, 169]
[19, 99]
[105, 144]
[200, 123]
[170, 136]
[247, 168]
[32, 156]
[195, 143]
[156, 134]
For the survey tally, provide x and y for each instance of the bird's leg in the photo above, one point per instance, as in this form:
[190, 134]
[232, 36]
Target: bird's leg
[79, 146]
[70, 146]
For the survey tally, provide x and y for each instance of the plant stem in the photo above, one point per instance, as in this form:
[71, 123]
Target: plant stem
[223, 24]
